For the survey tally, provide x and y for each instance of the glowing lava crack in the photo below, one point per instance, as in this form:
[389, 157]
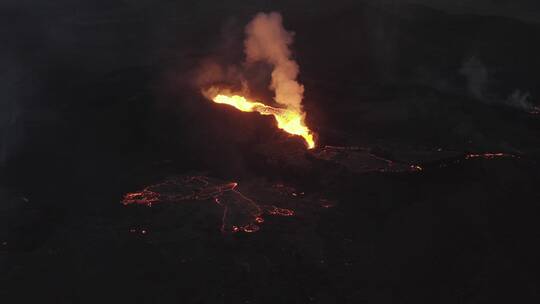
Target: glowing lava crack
[240, 213]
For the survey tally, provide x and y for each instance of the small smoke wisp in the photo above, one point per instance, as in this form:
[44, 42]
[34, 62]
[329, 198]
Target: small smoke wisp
[267, 41]
[521, 100]
[477, 76]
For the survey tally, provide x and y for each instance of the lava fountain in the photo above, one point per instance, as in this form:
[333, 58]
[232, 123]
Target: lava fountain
[288, 120]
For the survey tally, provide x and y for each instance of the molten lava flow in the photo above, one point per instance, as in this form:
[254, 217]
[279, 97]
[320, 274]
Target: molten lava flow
[288, 120]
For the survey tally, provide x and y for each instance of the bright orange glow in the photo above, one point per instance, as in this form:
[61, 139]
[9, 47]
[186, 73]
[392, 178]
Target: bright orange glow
[288, 120]
[238, 102]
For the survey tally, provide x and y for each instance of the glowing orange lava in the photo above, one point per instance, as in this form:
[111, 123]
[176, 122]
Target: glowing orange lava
[488, 155]
[240, 213]
[289, 120]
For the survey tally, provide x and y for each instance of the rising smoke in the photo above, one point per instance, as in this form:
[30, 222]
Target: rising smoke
[268, 41]
[477, 76]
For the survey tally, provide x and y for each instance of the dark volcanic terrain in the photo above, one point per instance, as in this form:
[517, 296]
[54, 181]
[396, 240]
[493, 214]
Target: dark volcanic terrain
[423, 187]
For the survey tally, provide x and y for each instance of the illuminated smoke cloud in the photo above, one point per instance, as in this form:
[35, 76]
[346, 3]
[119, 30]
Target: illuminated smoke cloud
[268, 41]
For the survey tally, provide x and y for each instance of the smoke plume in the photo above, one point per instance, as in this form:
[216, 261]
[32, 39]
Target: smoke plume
[267, 41]
[476, 74]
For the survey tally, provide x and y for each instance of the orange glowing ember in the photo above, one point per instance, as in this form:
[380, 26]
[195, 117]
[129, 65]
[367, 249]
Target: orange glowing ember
[289, 120]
